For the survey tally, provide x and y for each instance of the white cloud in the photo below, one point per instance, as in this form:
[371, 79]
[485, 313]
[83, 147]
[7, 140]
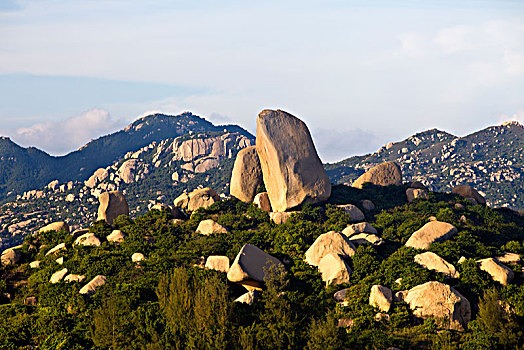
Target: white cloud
[63, 136]
[518, 116]
[335, 145]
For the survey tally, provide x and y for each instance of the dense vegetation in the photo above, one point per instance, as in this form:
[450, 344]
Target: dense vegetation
[167, 302]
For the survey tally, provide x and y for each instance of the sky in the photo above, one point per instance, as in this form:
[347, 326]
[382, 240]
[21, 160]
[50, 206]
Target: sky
[359, 73]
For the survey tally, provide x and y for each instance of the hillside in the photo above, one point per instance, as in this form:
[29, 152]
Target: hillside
[169, 301]
[23, 169]
[491, 160]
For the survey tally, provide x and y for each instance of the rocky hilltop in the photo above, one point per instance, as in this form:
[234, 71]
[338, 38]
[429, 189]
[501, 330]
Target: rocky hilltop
[288, 261]
[491, 160]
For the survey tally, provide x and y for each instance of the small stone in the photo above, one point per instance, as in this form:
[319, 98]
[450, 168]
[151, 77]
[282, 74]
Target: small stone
[355, 214]
[116, 236]
[218, 263]
[93, 285]
[262, 202]
[88, 239]
[57, 276]
[56, 248]
[210, 227]
[137, 257]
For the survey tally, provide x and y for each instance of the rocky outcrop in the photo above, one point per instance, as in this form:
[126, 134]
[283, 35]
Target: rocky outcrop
[334, 269]
[366, 238]
[246, 177]
[355, 214]
[88, 239]
[74, 278]
[384, 174]
[209, 227]
[116, 236]
[381, 297]
[509, 258]
[292, 171]
[56, 248]
[10, 257]
[432, 261]
[58, 276]
[362, 227]
[433, 231]
[218, 263]
[498, 271]
[137, 257]
[55, 226]
[329, 243]
[98, 176]
[467, 191]
[201, 198]
[261, 200]
[281, 218]
[414, 193]
[112, 205]
[440, 301]
[250, 263]
[128, 170]
[93, 285]
[247, 298]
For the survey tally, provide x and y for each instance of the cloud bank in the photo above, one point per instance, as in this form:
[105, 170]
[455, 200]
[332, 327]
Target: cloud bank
[60, 137]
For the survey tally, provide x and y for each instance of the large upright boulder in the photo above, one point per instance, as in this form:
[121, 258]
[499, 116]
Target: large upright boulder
[440, 301]
[329, 243]
[333, 269]
[251, 264]
[385, 174]
[467, 191]
[112, 205]
[433, 231]
[381, 297]
[292, 171]
[246, 177]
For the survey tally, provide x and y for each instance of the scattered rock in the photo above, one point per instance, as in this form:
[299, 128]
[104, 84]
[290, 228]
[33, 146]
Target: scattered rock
[292, 171]
[93, 285]
[281, 217]
[334, 269]
[440, 301]
[345, 323]
[367, 204]
[432, 218]
[57, 276]
[247, 298]
[137, 257]
[30, 301]
[384, 174]
[217, 262]
[460, 206]
[340, 296]
[88, 239]
[355, 214]
[56, 248]
[55, 226]
[246, 177]
[60, 260]
[262, 201]
[381, 297]
[209, 227]
[10, 257]
[116, 236]
[329, 243]
[433, 231]
[201, 198]
[461, 260]
[509, 258]
[34, 264]
[414, 193]
[381, 316]
[174, 211]
[432, 261]
[499, 272]
[362, 227]
[112, 205]
[74, 278]
[467, 191]
[250, 263]
[366, 238]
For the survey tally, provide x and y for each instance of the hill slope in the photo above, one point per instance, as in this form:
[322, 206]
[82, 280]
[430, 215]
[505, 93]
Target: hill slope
[491, 160]
[23, 169]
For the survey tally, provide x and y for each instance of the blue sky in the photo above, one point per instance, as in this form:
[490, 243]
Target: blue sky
[359, 73]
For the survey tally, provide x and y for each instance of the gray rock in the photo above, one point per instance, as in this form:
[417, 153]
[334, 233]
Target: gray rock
[112, 205]
[250, 263]
[246, 177]
[384, 174]
[433, 231]
[354, 212]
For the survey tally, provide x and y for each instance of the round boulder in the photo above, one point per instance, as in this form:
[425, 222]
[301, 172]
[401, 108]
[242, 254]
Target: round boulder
[209, 227]
[329, 243]
[385, 174]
